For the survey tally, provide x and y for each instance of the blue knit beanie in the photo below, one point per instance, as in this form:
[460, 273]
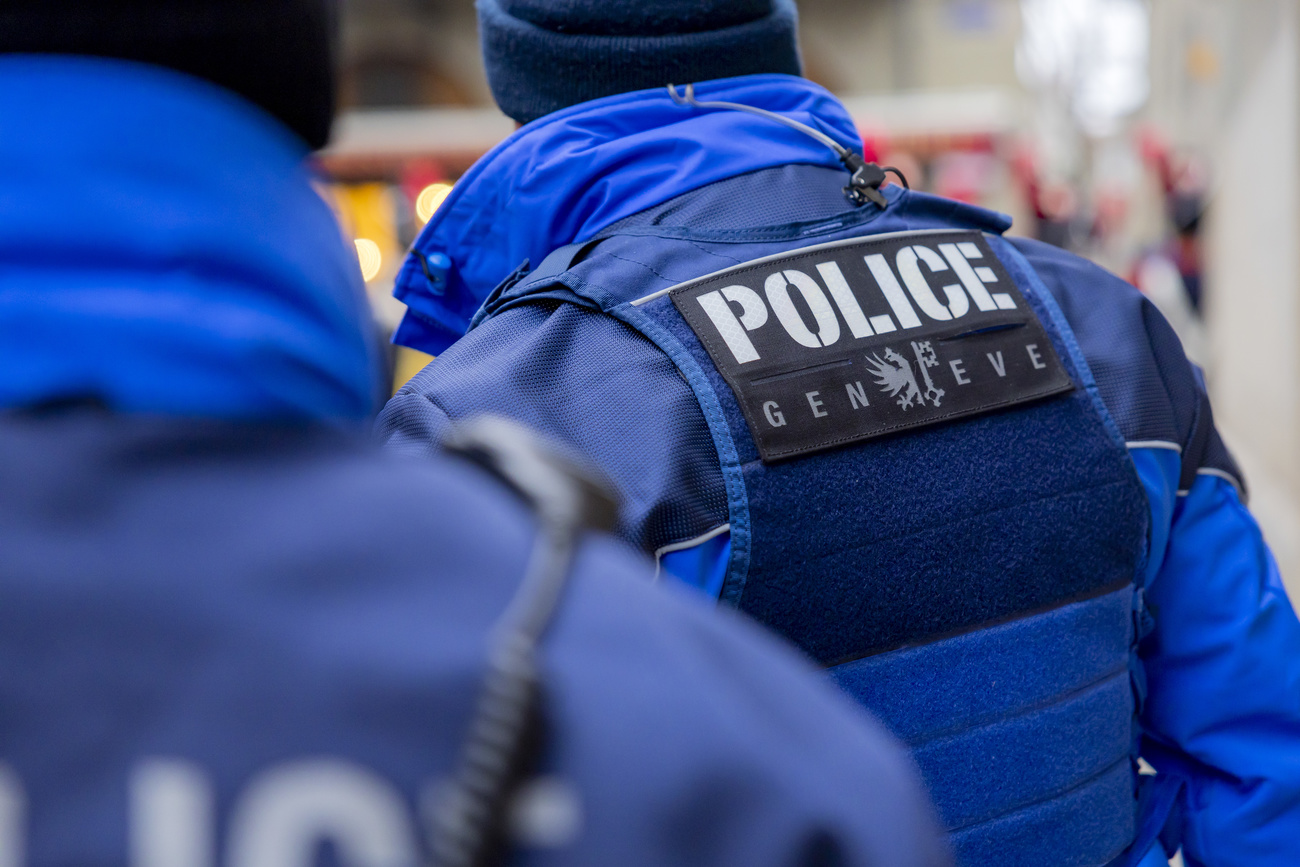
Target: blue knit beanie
[544, 55]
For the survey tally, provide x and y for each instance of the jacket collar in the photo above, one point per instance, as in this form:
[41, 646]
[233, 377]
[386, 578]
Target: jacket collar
[162, 249]
[567, 176]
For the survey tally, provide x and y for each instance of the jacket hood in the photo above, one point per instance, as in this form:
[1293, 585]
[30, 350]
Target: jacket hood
[162, 249]
[569, 175]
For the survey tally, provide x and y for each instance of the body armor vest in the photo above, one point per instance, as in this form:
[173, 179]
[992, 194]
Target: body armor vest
[953, 538]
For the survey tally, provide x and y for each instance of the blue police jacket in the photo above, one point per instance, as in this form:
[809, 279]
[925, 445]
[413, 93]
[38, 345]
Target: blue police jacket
[1013, 532]
[233, 631]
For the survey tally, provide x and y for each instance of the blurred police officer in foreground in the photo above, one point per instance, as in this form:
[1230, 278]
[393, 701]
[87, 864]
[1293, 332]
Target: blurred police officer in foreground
[229, 631]
[972, 475]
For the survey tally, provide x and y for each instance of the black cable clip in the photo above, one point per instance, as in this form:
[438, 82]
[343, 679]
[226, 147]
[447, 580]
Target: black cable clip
[865, 180]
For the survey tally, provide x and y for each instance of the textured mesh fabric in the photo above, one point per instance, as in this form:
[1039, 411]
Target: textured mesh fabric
[1217, 457]
[598, 387]
[1113, 324]
[1152, 391]
[788, 194]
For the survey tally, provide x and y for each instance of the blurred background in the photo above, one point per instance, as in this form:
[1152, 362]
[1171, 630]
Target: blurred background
[1160, 138]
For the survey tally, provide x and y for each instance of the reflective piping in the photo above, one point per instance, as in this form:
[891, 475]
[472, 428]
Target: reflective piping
[1203, 471]
[829, 245]
[1155, 444]
[689, 543]
[1226, 476]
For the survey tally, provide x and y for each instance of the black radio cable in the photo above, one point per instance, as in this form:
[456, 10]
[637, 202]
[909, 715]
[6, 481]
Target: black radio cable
[865, 178]
[471, 821]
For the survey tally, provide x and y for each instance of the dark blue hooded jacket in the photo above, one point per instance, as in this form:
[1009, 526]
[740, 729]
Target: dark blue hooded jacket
[231, 631]
[1034, 597]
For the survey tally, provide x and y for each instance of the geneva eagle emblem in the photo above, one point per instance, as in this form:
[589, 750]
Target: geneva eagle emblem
[894, 374]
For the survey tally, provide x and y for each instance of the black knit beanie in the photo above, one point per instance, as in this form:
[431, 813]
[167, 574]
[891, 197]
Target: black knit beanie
[544, 55]
[277, 53]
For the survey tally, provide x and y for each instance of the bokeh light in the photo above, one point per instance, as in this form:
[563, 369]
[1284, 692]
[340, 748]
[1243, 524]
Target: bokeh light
[429, 199]
[370, 257]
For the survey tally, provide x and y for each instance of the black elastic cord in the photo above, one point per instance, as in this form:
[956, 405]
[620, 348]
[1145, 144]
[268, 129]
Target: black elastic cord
[865, 177]
[901, 177]
[470, 825]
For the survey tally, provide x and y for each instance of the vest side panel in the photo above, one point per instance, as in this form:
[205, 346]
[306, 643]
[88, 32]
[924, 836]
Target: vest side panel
[652, 325]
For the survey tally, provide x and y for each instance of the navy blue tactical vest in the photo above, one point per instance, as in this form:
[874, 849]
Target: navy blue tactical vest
[889, 414]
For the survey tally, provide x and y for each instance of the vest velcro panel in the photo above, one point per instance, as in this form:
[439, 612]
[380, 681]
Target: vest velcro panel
[1002, 738]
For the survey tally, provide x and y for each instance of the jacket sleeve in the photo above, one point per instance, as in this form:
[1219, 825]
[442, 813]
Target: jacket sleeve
[1222, 665]
[1221, 654]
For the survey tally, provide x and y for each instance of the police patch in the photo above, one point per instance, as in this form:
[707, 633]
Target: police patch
[847, 341]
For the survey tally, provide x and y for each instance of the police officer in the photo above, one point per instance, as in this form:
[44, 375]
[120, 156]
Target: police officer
[229, 628]
[973, 476]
